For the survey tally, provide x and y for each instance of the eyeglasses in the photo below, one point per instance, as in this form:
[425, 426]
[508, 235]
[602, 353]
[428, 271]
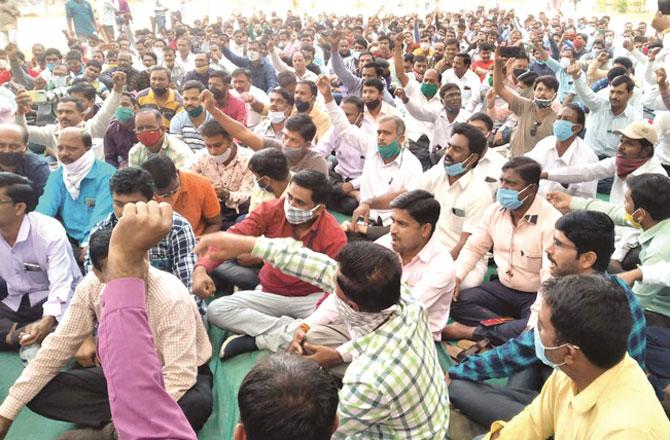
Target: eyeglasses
[171, 192]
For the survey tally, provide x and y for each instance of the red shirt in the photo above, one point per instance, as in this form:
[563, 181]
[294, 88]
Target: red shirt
[486, 65]
[268, 219]
[235, 108]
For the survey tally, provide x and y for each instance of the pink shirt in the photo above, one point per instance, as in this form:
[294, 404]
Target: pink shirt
[235, 108]
[518, 250]
[430, 276]
[141, 407]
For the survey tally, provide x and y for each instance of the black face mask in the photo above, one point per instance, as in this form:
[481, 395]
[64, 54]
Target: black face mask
[371, 105]
[160, 91]
[301, 106]
[11, 159]
[218, 94]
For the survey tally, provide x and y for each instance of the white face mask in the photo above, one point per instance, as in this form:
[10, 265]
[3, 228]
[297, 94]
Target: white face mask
[223, 157]
[276, 117]
[425, 46]
[565, 62]
[254, 55]
[361, 323]
[58, 81]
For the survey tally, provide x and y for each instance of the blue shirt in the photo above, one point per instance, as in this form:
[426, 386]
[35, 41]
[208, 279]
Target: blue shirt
[519, 353]
[81, 14]
[35, 168]
[263, 75]
[92, 206]
[566, 83]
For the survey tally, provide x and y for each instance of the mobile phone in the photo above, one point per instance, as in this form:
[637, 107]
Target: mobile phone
[511, 51]
[664, 6]
[494, 321]
[37, 96]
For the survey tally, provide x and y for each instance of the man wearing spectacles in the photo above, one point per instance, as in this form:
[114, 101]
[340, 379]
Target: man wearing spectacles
[38, 273]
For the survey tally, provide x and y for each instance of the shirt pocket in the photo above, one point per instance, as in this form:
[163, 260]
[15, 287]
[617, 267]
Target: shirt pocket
[532, 260]
[457, 219]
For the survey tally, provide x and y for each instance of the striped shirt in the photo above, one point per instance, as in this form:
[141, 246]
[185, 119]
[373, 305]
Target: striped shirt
[176, 326]
[394, 386]
[181, 126]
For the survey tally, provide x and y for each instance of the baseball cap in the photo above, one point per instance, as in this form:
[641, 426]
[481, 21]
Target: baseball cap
[639, 130]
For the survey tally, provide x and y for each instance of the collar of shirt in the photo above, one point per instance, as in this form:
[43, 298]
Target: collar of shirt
[431, 249]
[589, 397]
[397, 160]
[662, 227]
[567, 156]
[532, 215]
[24, 230]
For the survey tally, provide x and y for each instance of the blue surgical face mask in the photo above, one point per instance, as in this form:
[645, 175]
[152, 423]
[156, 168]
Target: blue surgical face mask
[563, 129]
[456, 169]
[508, 198]
[540, 351]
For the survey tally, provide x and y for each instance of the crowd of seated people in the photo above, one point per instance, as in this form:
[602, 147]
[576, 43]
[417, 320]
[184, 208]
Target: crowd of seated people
[397, 208]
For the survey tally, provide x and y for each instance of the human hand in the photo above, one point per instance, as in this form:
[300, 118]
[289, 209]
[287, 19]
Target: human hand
[560, 200]
[5, 424]
[119, 79]
[347, 187]
[203, 285]
[660, 22]
[23, 102]
[324, 356]
[86, 355]
[662, 79]
[207, 100]
[325, 88]
[651, 55]
[296, 344]
[222, 246]
[334, 40]
[362, 211]
[35, 332]
[400, 93]
[574, 70]
[141, 227]
[457, 290]
[631, 276]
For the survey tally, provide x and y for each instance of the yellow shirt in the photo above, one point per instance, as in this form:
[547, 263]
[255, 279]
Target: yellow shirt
[618, 405]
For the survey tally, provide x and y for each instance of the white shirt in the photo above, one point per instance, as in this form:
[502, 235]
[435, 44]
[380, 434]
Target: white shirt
[602, 123]
[625, 237]
[578, 153]
[187, 63]
[462, 204]
[415, 126]
[470, 86]
[106, 12]
[489, 169]
[380, 178]
[662, 126]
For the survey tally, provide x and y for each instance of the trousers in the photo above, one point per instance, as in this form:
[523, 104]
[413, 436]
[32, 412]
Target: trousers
[80, 396]
[493, 300]
[271, 319]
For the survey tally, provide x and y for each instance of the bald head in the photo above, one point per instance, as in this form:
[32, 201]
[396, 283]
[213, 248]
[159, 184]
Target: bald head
[13, 146]
[73, 143]
[15, 131]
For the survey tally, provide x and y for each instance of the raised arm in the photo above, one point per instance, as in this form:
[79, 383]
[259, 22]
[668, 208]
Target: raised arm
[499, 79]
[397, 59]
[235, 128]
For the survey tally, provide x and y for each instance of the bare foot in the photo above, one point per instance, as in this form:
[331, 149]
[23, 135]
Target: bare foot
[457, 331]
